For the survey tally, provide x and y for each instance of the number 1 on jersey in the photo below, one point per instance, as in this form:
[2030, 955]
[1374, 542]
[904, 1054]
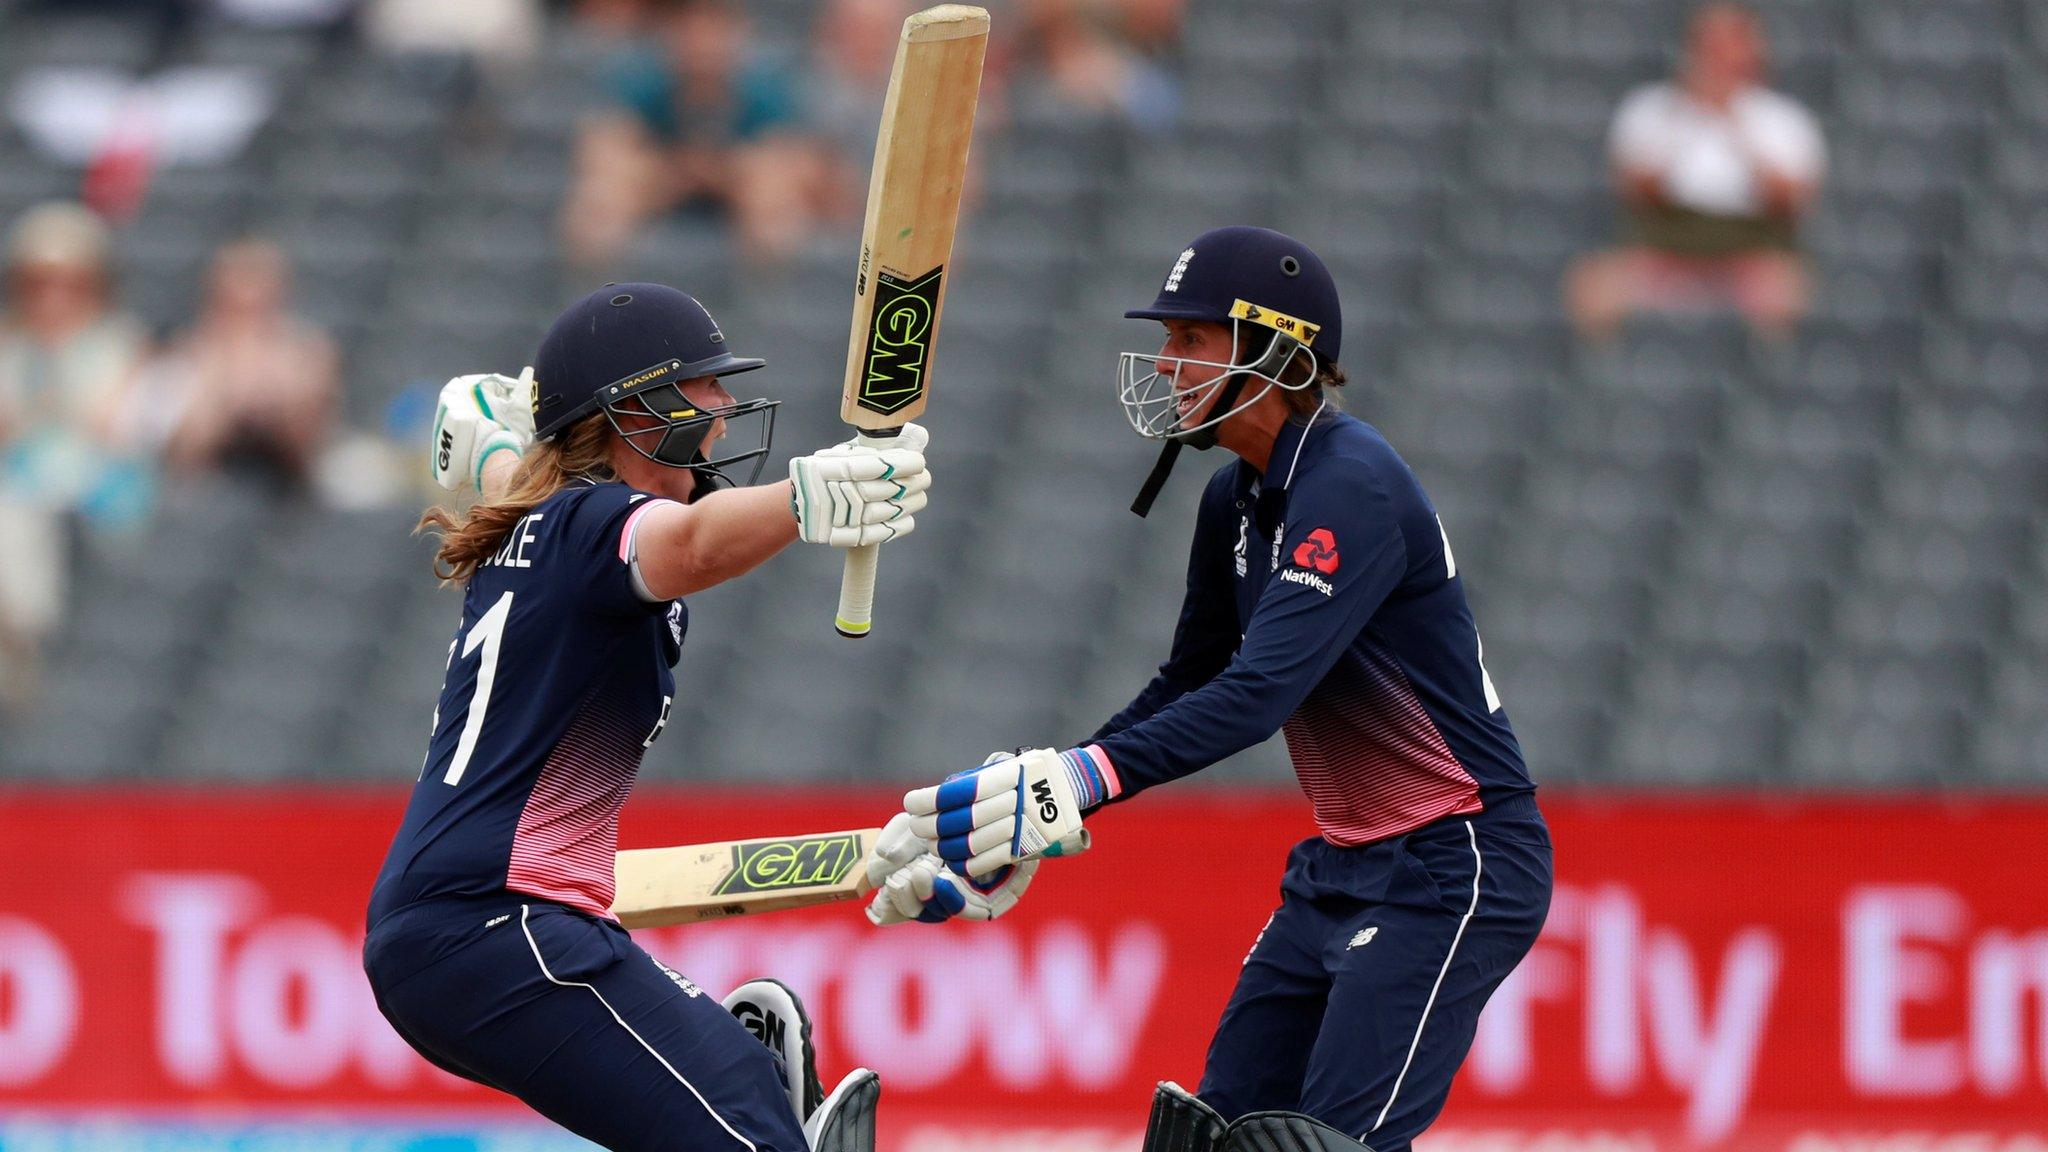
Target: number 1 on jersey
[489, 634]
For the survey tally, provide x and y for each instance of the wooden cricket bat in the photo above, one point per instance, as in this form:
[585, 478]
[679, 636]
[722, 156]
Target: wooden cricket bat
[697, 882]
[899, 289]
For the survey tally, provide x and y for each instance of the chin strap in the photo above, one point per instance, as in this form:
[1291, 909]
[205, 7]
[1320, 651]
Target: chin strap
[709, 480]
[1156, 479]
[1170, 451]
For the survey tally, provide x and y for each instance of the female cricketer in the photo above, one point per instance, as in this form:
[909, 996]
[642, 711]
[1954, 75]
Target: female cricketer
[491, 947]
[1323, 600]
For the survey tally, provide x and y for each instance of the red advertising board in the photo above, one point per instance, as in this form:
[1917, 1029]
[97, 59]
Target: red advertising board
[1725, 973]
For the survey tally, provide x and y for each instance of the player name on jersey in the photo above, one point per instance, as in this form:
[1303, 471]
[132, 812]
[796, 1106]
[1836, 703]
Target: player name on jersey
[517, 541]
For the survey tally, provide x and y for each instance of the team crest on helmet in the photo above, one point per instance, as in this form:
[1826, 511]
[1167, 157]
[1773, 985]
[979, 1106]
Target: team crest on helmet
[1180, 268]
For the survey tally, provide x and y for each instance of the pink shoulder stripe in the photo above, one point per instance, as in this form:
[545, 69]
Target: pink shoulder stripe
[633, 525]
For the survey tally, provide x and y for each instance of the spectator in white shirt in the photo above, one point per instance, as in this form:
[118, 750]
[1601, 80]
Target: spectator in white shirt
[1715, 173]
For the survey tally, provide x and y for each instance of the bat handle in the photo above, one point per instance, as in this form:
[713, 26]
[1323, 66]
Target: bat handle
[857, 582]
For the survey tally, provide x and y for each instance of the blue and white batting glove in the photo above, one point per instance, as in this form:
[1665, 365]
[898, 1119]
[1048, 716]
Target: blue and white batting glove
[1012, 808]
[478, 417]
[927, 891]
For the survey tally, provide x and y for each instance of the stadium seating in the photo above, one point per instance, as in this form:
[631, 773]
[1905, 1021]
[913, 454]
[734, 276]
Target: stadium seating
[1694, 559]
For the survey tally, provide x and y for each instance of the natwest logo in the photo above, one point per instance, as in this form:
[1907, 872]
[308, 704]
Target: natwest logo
[1318, 551]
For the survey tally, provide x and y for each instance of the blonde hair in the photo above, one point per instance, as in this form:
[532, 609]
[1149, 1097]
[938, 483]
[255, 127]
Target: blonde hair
[470, 537]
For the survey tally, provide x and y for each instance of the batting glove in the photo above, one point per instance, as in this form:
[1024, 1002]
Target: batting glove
[478, 417]
[927, 891]
[1010, 809]
[853, 494]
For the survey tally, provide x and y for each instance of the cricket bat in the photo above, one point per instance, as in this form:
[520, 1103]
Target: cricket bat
[899, 289]
[697, 882]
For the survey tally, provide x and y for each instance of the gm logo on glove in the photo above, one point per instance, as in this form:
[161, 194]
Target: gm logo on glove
[1048, 808]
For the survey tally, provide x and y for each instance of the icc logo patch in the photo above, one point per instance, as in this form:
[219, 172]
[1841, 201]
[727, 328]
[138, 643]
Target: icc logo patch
[1318, 552]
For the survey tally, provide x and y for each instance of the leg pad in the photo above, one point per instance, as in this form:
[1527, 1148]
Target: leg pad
[1286, 1132]
[845, 1122]
[1181, 1123]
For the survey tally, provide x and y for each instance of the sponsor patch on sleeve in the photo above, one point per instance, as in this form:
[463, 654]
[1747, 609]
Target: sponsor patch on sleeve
[1315, 559]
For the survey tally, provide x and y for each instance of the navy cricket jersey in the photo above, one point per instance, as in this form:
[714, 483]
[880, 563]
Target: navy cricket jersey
[558, 681]
[1324, 599]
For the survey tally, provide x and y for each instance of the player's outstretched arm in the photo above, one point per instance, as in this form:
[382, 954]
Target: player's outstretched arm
[845, 495]
[685, 548]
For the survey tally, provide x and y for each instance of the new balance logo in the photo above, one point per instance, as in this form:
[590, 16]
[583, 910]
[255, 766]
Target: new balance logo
[679, 980]
[1361, 938]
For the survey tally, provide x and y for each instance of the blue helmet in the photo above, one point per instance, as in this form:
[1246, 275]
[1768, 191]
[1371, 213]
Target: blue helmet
[624, 350]
[1258, 275]
[1280, 304]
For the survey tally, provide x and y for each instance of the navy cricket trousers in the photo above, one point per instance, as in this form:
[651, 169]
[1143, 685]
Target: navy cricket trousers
[1359, 1000]
[564, 1011]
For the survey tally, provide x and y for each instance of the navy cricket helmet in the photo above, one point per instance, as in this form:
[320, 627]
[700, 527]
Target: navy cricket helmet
[624, 350]
[1280, 304]
[1256, 275]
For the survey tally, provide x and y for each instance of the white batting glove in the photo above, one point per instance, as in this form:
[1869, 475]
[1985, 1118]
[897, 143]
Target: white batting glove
[1008, 810]
[478, 417]
[926, 891]
[851, 494]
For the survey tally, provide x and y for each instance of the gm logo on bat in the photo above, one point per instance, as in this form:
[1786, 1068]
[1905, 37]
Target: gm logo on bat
[899, 340]
[798, 862]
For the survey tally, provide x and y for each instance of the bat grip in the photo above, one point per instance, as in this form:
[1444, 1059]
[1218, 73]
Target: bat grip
[857, 582]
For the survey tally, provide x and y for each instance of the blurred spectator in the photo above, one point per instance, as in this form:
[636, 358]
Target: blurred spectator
[1103, 57]
[67, 366]
[498, 31]
[849, 75]
[250, 386]
[704, 125]
[285, 13]
[613, 21]
[1715, 173]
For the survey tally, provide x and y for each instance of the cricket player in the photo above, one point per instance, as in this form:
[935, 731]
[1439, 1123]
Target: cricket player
[1324, 601]
[491, 947]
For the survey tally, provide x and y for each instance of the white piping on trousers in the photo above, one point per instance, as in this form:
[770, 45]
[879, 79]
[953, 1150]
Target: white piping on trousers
[629, 1031]
[1478, 867]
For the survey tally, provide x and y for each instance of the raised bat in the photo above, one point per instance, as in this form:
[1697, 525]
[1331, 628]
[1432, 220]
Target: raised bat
[899, 289]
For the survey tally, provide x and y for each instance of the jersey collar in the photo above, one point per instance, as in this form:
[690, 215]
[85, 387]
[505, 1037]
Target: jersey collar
[1290, 449]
